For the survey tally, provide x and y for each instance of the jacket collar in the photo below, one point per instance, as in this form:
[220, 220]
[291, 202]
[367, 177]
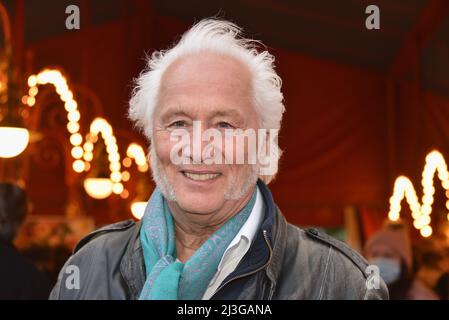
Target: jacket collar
[132, 266]
[266, 252]
[274, 226]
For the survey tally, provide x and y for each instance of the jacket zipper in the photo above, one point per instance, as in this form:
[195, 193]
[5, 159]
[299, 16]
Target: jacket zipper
[251, 272]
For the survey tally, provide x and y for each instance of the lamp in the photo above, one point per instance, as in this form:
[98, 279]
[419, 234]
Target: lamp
[14, 137]
[13, 141]
[138, 209]
[98, 188]
[98, 184]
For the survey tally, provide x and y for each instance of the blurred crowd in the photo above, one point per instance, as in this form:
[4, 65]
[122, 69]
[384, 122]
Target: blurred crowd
[411, 272]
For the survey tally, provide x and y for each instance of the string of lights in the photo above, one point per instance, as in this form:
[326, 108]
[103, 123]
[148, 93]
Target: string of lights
[82, 149]
[403, 188]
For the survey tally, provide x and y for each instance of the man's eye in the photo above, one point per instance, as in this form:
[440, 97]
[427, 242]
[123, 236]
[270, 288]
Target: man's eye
[225, 125]
[178, 124]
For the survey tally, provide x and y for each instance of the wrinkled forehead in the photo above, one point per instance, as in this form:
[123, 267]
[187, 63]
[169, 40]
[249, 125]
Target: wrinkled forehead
[206, 67]
[206, 82]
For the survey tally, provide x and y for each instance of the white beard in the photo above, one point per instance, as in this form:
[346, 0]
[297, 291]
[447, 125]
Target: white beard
[159, 176]
[234, 193]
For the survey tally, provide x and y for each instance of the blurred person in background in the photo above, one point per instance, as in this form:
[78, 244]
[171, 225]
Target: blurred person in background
[390, 249]
[433, 264]
[442, 286]
[19, 279]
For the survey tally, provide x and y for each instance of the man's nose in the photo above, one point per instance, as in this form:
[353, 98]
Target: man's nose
[203, 147]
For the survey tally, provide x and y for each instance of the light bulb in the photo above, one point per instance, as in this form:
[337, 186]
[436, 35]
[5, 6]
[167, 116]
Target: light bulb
[98, 188]
[13, 141]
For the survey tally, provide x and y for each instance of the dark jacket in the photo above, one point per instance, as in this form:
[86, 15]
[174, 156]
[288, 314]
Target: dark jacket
[283, 262]
[19, 278]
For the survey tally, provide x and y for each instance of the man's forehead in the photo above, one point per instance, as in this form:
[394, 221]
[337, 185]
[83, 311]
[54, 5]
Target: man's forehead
[205, 68]
[205, 84]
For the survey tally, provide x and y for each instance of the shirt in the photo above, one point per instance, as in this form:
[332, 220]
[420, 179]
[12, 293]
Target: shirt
[238, 247]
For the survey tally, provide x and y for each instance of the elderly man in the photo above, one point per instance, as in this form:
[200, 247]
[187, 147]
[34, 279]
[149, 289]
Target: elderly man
[211, 229]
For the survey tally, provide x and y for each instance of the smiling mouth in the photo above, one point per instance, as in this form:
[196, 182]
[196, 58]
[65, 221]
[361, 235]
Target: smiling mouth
[201, 176]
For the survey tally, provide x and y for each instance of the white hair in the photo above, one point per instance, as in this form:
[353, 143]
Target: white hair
[223, 37]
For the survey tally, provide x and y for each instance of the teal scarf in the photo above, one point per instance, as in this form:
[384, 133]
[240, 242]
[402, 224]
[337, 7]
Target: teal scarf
[168, 278]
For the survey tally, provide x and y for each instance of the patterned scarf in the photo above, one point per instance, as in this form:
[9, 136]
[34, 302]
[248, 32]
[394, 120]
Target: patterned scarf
[168, 278]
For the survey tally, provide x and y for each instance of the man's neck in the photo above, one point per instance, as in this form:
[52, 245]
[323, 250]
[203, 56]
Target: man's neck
[193, 229]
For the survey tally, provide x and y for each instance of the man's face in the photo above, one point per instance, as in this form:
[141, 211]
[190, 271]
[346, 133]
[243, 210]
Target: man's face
[382, 250]
[215, 90]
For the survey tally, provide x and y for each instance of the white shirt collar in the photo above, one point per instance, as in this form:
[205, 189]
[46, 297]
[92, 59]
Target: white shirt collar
[248, 230]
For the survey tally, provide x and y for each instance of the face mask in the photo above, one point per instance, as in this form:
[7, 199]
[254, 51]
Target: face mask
[390, 269]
